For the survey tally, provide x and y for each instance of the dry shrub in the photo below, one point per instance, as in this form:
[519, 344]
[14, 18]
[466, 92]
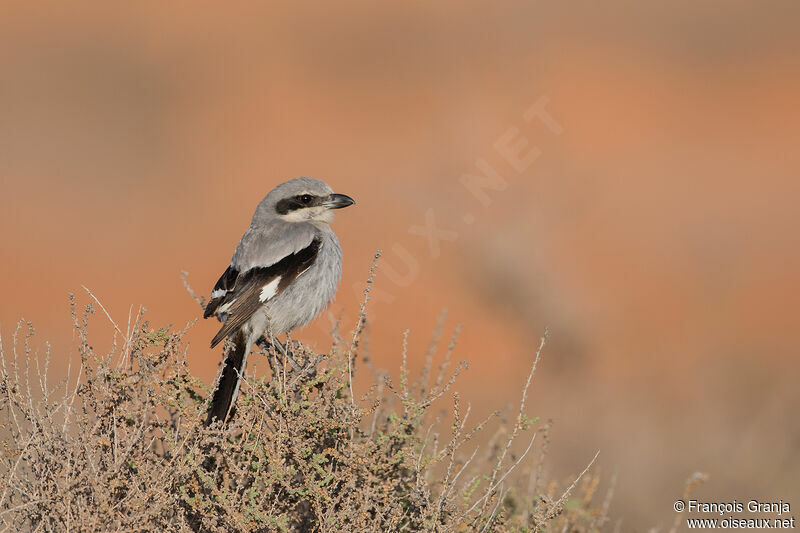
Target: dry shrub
[121, 446]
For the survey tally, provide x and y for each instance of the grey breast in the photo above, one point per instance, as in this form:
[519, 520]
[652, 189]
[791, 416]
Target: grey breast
[311, 292]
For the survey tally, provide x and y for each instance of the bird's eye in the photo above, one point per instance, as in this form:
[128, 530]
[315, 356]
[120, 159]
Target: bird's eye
[306, 198]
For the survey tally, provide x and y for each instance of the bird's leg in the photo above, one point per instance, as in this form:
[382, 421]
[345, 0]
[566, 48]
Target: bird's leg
[263, 345]
[281, 348]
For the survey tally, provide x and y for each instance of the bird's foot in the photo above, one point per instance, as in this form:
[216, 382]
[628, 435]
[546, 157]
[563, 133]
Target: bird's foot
[264, 344]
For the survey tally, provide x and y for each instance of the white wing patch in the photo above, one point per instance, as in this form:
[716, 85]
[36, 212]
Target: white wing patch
[219, 292]
[270, 289]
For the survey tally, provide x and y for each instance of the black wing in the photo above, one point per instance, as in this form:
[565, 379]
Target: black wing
[249, 290]
[224, 286]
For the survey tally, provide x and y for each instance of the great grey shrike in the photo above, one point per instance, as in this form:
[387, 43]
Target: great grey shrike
[284, 272]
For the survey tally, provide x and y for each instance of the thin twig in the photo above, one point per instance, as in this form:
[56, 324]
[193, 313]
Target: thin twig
[567, 492]
[362, 318]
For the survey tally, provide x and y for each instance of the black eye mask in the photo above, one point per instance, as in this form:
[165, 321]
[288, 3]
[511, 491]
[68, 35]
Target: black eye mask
[300, 201]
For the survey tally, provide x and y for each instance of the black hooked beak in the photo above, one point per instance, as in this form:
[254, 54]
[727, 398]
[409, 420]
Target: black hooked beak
[338, 201]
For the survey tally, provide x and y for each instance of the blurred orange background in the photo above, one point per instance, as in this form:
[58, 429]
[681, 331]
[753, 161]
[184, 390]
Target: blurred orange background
[650, 220]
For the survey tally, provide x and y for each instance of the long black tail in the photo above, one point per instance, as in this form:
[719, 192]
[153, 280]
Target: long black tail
[229, 381]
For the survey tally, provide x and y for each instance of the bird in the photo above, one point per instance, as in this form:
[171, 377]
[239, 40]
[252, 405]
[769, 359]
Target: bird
[284, 272]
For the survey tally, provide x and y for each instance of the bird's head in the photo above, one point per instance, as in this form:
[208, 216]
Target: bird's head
[302, 200]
